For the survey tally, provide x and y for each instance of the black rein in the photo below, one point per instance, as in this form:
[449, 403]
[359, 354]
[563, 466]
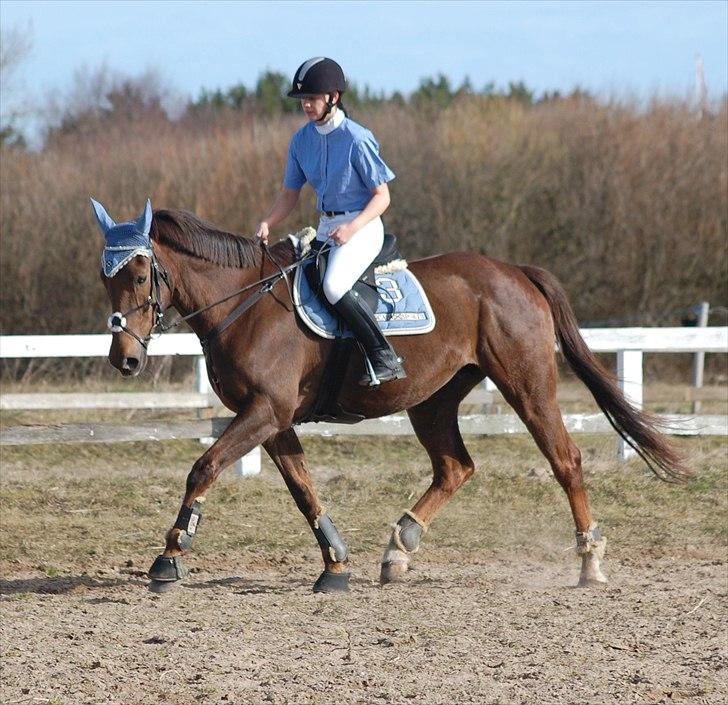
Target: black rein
[267, 285]
[117, 321]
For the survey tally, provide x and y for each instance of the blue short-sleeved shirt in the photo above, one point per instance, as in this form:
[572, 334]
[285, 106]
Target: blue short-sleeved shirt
[343, 166]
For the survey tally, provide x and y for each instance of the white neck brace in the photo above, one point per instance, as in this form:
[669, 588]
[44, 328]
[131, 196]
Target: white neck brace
[331, 124]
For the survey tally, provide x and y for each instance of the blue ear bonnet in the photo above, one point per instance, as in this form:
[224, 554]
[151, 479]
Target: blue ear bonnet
[123, 241]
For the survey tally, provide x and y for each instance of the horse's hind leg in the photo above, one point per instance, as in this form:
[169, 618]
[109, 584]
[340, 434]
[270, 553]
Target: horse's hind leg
[435, 422]
[285, 450]
[530, 388]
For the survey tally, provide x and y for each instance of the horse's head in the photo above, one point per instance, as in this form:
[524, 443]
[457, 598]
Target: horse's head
[130, 273]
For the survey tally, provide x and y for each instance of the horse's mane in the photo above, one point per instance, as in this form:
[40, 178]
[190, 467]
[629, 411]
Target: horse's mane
[185, 232]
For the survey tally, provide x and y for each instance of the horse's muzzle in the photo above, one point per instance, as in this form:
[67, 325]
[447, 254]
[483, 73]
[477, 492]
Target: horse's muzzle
[129, 357]
[131, 366]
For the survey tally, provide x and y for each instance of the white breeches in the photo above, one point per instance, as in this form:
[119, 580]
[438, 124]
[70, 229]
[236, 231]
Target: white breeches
[347, 262]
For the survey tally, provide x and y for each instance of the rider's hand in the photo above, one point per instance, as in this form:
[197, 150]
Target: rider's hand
[341, 234]
[262, 232]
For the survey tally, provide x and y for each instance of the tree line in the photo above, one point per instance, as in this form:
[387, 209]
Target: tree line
[102, 97]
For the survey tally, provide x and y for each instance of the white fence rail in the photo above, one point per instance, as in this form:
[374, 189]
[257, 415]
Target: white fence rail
[710, 339]
[628, 343]
[471, 424]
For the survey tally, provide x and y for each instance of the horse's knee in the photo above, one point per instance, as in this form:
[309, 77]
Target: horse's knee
[467, 471]
[334, 289]
[454, 476]
[202, 475]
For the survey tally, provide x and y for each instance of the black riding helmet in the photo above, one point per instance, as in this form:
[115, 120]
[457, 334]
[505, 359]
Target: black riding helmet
[317, 76]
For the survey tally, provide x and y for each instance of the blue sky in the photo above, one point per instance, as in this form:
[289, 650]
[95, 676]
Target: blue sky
[608, 47]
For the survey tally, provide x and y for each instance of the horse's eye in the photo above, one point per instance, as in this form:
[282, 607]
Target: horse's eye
[141, 280]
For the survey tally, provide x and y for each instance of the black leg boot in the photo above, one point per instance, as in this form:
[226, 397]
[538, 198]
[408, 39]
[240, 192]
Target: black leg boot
[359, 317]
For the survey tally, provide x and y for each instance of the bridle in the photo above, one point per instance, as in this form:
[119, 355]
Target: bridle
[117, 321]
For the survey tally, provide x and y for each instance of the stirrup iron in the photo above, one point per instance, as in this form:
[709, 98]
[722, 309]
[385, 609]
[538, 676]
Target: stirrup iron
[373, 379]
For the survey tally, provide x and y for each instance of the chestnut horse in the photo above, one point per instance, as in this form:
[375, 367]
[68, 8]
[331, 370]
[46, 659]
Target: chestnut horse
[493, 319]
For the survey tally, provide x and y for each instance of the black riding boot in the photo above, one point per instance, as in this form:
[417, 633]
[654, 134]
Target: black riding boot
[384, 360]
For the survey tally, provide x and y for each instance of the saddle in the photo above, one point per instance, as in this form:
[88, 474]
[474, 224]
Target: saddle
[326, 406]
[365, 286]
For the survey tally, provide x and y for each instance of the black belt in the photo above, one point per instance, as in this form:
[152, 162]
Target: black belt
[331, 214]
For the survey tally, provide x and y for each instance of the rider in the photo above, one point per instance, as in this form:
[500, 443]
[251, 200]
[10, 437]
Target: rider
[340, 159]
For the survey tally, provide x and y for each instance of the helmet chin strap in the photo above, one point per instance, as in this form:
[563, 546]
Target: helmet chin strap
[329, 107]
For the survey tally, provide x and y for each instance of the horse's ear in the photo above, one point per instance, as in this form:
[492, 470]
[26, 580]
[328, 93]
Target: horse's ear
[144, 223]
[103, 218]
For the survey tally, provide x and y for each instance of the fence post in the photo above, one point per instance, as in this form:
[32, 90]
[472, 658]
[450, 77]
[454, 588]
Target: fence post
[629, 373]
[202, 383]
[248, 464]
[489, 387]
[703, 309]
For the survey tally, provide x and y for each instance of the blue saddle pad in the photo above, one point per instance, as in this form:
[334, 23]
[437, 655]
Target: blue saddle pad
[403, 308]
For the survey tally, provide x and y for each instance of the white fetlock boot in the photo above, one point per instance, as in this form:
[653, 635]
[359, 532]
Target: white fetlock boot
[405, 541]
[591, 545]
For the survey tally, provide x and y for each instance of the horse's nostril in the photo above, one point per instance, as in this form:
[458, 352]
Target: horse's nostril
[130, 363]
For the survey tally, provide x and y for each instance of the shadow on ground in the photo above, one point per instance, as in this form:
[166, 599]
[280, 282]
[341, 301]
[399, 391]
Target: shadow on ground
[62, 584]
[243, 586]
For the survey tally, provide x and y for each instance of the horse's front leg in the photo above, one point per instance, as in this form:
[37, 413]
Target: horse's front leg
[247, 430]
[285, 450]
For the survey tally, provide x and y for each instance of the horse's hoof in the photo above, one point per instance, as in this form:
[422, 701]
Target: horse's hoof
[160, 586]
[591, 573]
[332, 582]
[165, 570]
[392, 572]
[592, 583]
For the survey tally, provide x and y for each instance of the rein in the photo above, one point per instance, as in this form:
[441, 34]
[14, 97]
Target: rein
[117, 321]
[240, 309]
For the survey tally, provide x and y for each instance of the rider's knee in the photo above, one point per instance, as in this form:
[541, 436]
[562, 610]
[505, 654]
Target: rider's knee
[334, 289]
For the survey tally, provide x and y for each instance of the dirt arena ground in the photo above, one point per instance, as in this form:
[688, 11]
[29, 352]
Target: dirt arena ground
[489, 615]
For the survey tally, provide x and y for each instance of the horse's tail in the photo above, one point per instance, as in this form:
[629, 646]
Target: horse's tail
[638, 428]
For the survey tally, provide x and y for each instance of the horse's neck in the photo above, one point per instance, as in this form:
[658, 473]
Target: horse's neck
[198, 283]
